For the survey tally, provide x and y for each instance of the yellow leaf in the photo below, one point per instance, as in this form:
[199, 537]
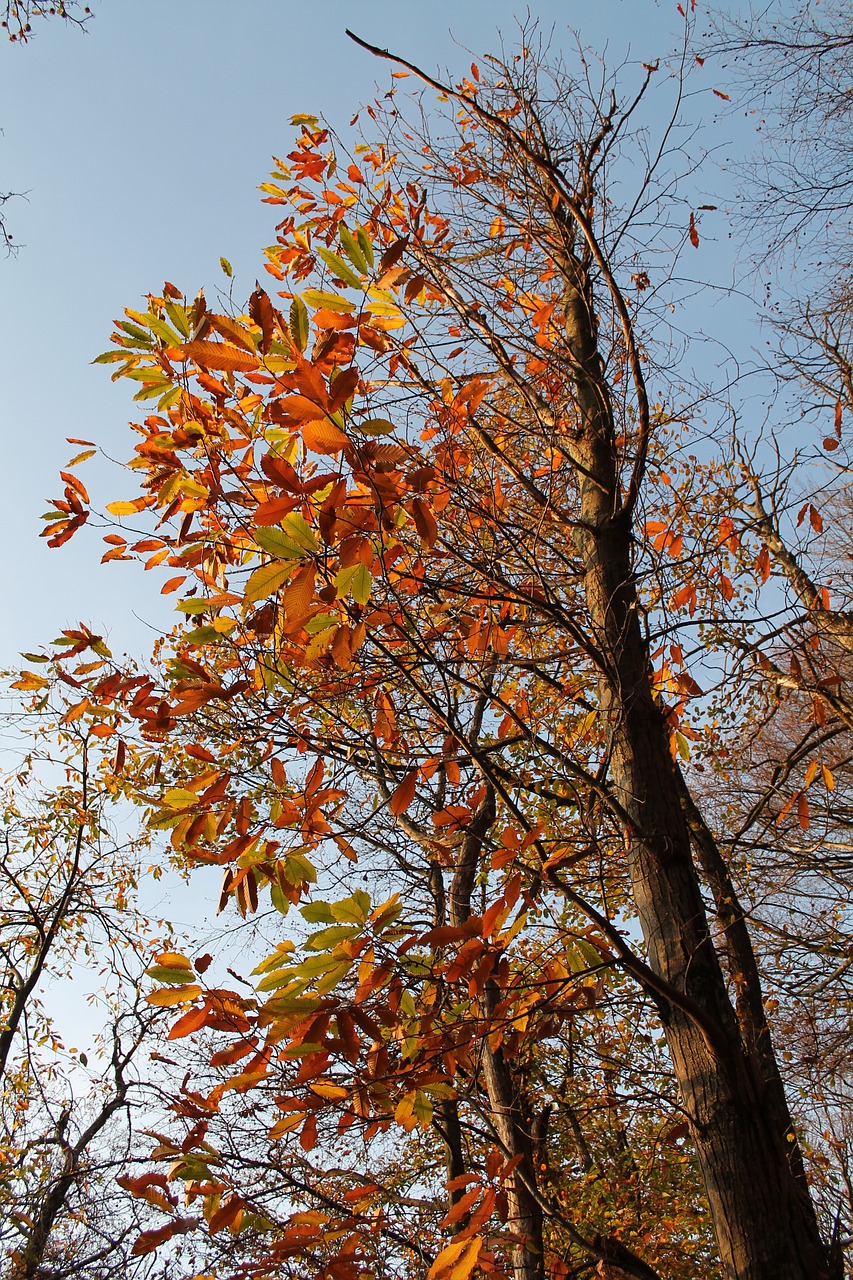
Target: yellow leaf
[166, 996]
[29, 682]
[335, 1092]
[123, 508]
[266, 580]
[447, 1257]
[467, 1262]
[173, 960]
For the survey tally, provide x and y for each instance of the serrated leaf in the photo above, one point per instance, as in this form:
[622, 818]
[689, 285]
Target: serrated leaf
[339, 268]
[299, 323]
[317, 913]
[166, 996]
[264, 581]
[360, 585]
[375, 427]
[220, 355]
[365, 244]
[352, 249]
[319, 299]
[325, 939]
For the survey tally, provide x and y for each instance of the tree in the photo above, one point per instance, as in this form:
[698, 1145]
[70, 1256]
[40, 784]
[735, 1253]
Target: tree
[444, 561]
[68, 904]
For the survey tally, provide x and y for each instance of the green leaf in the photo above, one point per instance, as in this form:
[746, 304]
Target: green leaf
[325, 939]
[317, 298]
[375, 427]
[298, 528]
[277, 898]
[422, 1109]
[226, 267]
[175, 977]
[299, 323]
[355, 908]
[317, 913]
[290, 541]
[352, 249]
[339, 268]
[168, 335]
[298, 870]
[204, 635]
[355, 580]
[136, 331]
[276, 542]
[364, 243]
[362, 581]
[266, 580]
[178, 316]
[193, 606]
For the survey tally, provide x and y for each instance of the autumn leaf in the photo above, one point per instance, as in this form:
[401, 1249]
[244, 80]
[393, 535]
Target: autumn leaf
[220, 355]
[404, 793]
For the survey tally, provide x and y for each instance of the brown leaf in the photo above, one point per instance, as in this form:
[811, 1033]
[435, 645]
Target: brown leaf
[261, 311]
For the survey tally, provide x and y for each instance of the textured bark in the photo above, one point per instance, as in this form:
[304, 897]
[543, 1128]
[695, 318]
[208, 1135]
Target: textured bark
[765, 1222]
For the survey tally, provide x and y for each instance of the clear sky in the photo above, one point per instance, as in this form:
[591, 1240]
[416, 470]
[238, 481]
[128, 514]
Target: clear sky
[141, 145]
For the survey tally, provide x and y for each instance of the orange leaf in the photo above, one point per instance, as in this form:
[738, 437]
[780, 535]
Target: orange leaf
[298, 596]
[694, 234]
[226, 1215]
[405, 793]
[220, 355]
[424, 521]
[187, 1024]
[322, 436]
[762, 564]
[342, 388]
[301, 408]
[803, 811]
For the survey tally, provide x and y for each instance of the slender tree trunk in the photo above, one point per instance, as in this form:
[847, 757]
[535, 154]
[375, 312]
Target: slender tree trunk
[765, 1222]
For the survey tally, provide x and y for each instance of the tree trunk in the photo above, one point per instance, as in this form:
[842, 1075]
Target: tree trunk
[764, 1219]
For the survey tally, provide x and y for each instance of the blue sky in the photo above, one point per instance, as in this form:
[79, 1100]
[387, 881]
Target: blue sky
[141, 145]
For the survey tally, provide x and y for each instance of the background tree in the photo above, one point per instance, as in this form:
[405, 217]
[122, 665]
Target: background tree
[69, 879]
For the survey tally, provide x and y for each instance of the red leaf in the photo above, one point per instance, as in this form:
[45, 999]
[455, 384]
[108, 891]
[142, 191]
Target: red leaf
[815, 519]
[424, 522]
[694, 234]
[722, 95]
[151, 1240]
